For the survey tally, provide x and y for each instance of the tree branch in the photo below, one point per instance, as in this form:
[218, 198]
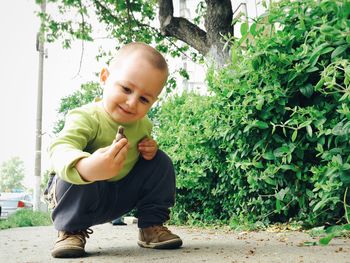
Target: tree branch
[105, 9]
[158, 32]
[181, 28]
[129, 11]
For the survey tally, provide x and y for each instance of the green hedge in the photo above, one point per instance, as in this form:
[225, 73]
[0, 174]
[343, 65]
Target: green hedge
[272, 141]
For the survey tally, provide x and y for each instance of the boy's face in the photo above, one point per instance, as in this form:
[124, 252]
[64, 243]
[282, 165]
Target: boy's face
[131, 88]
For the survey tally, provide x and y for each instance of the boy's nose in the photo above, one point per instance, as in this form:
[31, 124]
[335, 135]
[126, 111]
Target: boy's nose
[131, 102]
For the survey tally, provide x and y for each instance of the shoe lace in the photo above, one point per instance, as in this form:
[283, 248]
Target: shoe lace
[81, 234]
[161, 229]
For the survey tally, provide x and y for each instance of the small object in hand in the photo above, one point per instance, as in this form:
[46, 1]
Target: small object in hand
[120, 135]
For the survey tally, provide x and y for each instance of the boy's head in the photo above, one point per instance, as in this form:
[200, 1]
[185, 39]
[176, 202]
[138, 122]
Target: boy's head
[133, 81]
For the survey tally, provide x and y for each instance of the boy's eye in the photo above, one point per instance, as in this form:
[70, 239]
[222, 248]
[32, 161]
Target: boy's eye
[144, 100]
[126, 90]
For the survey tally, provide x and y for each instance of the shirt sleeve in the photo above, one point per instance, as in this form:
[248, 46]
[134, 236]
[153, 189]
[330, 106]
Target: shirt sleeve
[68, 148]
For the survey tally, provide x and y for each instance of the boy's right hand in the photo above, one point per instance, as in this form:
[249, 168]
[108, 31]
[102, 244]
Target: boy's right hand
[104, 163]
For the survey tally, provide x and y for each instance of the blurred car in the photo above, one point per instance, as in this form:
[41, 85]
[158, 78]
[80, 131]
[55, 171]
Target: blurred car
[11, 202]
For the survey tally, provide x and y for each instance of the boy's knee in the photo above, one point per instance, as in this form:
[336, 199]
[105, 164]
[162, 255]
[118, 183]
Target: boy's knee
[165, 167]
[164, 159]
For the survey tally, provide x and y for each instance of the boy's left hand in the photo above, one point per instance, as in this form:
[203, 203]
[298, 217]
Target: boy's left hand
[148, 148]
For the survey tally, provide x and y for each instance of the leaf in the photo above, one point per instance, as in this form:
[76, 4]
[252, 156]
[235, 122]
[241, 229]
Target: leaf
[258, 144]
[337, 229]
[337, 159]
[309, 243]
[281, 194]
[279, 152]
[278, 205]
[293, 76]
[253, 29]
[319, 205]
[325, 29]
[244, 28]
[319, 84]
[339, 50]
[330, 172]
[247, 128]
[298, 175]
[234, 56]
[319, 148]
[258, 165]
[345, 167]
[268, 156]
[334, 199]
[309, 130]
[312, 69]
[273, 129]
[270, 181]
[305, 123]
[317, 51]
[284, 131]
[314, 59]
[261, 125]
[260, 102]
[294, 135]
[325, 240]
[326, 50]
[307, 90]
[289, 167]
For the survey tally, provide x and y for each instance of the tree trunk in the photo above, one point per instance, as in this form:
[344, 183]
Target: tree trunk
[209, 43]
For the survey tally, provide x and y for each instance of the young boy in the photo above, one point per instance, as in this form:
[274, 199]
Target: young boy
[99, 179]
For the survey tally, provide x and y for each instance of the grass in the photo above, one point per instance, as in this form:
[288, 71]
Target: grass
[26, 217]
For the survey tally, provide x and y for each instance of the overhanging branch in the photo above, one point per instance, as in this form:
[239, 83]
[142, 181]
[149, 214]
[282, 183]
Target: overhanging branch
[181, 28]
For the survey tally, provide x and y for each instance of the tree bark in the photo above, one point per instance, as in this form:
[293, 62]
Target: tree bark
[218, 21]
[218, 24]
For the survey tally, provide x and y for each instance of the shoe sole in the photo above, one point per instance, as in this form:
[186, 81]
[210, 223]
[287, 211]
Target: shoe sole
[68, 252]
[170, 244]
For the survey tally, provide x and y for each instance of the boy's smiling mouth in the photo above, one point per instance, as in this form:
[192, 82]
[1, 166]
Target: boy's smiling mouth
[125, 111]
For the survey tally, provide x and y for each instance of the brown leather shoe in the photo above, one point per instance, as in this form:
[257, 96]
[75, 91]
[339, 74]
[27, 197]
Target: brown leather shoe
[70, 245]
[158, 237]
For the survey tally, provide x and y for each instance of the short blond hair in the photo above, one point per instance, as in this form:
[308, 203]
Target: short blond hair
[153, 56]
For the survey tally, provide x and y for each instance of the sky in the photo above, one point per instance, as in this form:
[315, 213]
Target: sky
[19, 81]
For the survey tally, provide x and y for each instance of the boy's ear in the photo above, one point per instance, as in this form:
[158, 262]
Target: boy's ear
[104, 75]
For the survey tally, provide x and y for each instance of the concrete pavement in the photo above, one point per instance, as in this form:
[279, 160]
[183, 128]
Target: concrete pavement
[118, 244]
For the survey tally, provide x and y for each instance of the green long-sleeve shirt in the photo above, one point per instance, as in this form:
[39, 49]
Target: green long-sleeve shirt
[87, 129]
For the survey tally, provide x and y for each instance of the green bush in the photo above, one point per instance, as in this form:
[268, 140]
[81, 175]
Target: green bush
[272, 142]
[184, 132]
[24, 218]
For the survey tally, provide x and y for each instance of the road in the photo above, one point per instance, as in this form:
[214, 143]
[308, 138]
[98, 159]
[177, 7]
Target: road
[111, 243]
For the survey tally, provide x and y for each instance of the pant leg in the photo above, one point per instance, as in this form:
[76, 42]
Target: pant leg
[150, 187]
[78, 207]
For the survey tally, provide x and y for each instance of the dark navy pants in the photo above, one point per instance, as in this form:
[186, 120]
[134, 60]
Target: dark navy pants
[149, 187]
